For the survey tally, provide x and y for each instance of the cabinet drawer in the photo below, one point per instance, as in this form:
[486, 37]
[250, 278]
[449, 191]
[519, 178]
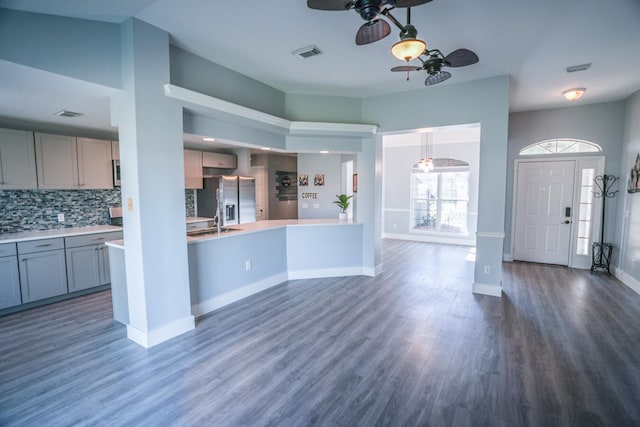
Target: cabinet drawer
[7, 249]
[91, 239]
[32, 246]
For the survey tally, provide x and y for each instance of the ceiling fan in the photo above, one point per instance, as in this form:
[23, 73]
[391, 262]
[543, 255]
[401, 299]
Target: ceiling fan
[436, 60]
[371, 11]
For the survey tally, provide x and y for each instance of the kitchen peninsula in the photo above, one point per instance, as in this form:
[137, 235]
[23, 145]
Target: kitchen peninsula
[249, 258]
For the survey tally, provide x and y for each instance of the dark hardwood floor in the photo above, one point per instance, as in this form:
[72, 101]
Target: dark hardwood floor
[412, 346]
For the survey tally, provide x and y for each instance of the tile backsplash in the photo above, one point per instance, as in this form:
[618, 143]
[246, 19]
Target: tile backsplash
[24, 210]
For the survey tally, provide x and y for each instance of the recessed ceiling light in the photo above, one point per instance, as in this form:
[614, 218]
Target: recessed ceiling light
[324, 151]
[208, 139]
[266, 148]
[67, 113]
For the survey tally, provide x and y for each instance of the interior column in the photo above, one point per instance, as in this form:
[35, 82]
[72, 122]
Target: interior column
[153, 198]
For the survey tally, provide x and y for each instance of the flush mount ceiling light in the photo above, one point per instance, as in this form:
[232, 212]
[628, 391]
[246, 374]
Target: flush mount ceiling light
[208, 139]
[573, 94]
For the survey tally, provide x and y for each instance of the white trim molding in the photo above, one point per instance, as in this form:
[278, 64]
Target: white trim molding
[326, 272]
[213, 104]
[237, 294]
[490, 234]
[627, 279]
[164, 333]
[486, 289]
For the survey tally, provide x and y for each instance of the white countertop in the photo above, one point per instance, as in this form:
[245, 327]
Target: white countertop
[24, 236]
[257, 226]
[60, 232]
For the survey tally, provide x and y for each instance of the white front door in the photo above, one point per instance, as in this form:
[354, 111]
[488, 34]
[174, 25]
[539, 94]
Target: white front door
[544, 197]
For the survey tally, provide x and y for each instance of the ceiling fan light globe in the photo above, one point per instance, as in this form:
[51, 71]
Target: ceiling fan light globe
[408, 49]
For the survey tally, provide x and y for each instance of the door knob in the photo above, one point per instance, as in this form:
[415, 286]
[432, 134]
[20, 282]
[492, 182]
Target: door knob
[567, 222]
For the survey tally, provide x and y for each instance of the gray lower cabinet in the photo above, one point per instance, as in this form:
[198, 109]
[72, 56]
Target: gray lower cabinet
[9, 277]
[88, 260]
[43, 272]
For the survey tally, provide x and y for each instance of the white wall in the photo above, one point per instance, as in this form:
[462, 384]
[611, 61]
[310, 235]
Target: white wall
[629, 219]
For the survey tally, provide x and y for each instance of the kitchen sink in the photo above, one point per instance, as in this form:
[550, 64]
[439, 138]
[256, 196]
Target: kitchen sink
[210, 231]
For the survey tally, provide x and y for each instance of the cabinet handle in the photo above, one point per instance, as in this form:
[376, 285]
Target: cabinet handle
[98, 238]
[44, 246]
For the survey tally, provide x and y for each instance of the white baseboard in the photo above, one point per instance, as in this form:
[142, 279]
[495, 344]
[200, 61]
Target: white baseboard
[326, 272]
[486, 289]
[237, 294]
[159, 335]
[372, 271]
[431, 239]
[507, 257]
[627, 280]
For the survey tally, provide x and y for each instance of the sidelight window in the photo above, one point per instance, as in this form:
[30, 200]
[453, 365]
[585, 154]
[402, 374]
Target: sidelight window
[584, 212]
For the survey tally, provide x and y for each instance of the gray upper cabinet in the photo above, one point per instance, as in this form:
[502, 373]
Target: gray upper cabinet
[192, 169]
[17, 160]
[219, 160]
[9, 278]
[94, 164]
[66, 162]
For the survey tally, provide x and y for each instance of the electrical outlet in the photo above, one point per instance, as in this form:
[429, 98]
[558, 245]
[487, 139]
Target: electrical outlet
[60, 217]
[247, 265]
[487, 269]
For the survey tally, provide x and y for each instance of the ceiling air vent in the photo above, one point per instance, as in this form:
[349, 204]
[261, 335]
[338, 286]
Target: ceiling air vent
[580, 67]
[307, 52]
[67, 113]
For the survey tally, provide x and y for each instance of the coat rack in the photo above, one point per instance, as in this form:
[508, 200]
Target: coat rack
[601, 251]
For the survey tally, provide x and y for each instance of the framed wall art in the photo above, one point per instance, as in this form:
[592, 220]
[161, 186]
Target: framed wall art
[634, 177]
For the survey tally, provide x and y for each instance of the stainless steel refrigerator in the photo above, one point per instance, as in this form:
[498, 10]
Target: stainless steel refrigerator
[237, 199]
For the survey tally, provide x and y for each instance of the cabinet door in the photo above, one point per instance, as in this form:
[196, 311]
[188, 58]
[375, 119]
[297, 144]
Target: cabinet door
[103, 258]
[94, 164]
[192, 169]
[9, 282]
[42, 275]
[115, 150]
[219, 160]
[17, 160]
[57, 161]
[83, 270]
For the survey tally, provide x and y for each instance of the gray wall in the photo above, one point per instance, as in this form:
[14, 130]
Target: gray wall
[272, 163]
[196, 73]
[331, 166]
[86, 50]
[599, 123]
[629, 218]
[318, 108]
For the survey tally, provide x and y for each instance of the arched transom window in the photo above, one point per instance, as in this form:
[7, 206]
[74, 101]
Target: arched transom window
[560, 146]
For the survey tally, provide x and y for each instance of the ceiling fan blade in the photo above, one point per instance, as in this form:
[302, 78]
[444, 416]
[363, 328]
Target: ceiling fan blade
[461, 58]
[437, 78]
[329, 4]
[406, 68]
[372, 31]
[410, 3]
